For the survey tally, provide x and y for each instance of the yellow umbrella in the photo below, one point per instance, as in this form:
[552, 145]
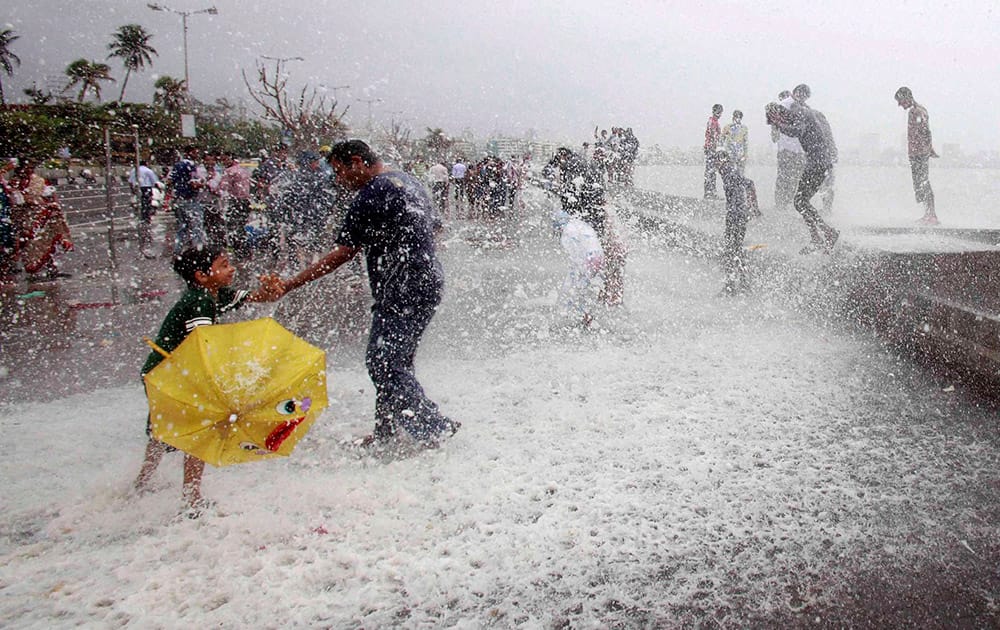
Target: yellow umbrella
[232, 393]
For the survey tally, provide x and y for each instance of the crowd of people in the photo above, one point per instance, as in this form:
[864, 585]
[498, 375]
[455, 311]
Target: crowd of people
[615, 154]
[284, 211]
[806, 152]
[280, 212]
[806, 155]
[485, 190]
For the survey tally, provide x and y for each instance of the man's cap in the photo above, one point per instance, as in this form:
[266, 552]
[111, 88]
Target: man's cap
[903, 93]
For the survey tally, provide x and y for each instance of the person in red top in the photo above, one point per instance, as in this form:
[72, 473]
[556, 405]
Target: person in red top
[713, 136]
[920, 150]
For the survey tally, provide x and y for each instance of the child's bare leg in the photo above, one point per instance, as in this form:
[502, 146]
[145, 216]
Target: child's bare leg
[154, 453]
[193, 468]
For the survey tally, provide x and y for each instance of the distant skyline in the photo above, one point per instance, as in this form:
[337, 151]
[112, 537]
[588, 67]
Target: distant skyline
[560, 68]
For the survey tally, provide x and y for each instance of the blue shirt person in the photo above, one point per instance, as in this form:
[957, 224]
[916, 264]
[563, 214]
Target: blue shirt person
[188, 211]
[391, 220]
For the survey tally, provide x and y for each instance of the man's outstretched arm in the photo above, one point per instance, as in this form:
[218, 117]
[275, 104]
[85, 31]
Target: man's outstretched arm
[337, 257]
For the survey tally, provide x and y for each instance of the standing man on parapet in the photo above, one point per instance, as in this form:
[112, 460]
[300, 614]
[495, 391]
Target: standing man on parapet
[713, 138]
[920, 150]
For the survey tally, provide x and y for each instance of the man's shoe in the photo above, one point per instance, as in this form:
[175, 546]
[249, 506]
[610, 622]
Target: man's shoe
[928, 219]
[451, 428]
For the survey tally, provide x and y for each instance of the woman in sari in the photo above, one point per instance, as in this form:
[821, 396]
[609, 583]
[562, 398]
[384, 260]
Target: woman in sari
[38, 222]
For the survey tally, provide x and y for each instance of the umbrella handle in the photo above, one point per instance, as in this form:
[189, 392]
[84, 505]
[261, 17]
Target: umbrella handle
[156, 347]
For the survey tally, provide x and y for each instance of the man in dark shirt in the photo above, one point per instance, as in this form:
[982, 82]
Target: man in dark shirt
[391, 221]
[580, 187]
[187, 209]
[581, 190]
[813, 132]
[920, 151]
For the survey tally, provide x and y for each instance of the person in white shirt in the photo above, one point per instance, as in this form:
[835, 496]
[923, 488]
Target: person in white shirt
[438, 175]
[791, 161]
[145, 180]
[577, 297]
[458, 171]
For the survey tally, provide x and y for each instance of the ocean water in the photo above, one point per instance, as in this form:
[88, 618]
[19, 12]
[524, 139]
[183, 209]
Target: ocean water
[866, 195]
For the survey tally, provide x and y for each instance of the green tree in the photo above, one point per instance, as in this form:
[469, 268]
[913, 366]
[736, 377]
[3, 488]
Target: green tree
[170, 93]
[7, 58]
[130, 43]
[88, 75]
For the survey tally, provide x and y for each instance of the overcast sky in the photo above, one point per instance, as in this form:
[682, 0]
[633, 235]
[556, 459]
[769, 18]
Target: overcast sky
[561, 68]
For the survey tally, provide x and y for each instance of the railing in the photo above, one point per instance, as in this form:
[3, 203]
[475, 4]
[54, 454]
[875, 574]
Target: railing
[85, 205]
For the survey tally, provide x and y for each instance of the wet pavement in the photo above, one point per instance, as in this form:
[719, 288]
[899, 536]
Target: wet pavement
[84, 332]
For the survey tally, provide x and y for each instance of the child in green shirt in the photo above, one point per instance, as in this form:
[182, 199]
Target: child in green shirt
[208, 274]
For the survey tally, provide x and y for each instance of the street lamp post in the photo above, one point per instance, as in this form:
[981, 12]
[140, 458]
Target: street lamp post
[184, 20]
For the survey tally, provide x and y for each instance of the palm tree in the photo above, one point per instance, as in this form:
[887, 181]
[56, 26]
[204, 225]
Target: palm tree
[7, 37]
[170, 93]
[131, 44]
[88, 75]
